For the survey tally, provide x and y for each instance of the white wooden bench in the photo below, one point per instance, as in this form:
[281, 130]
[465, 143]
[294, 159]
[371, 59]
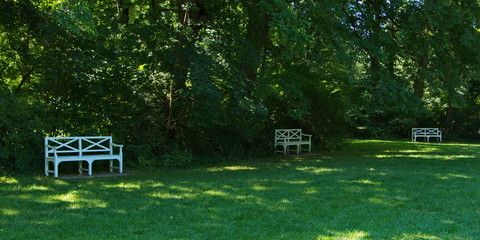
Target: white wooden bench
[89, 149]
[426, 133]
[292, 137]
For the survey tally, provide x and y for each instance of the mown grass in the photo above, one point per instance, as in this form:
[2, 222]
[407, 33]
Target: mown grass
[371, 190]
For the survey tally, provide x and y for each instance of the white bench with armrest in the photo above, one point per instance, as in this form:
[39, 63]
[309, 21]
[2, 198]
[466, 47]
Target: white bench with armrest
[285, 138]
[89, 149]
[426, 133]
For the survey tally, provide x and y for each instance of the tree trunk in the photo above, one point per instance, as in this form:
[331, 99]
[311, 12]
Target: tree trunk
[123, 11]
[25, 79]
[188, 17]
[153, 4]
[391, 63]
[256, 39]
[419, 82]
[375, 69]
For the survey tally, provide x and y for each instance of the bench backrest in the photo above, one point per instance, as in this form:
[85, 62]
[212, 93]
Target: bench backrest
[287, 135]
[78, 146]
[426, 131]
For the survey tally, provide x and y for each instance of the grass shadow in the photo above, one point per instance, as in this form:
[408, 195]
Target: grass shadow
[371, 190]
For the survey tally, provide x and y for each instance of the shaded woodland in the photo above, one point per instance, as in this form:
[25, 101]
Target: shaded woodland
[185, 82]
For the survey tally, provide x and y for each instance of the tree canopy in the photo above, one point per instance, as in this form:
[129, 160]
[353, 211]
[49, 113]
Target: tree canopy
[212, 79]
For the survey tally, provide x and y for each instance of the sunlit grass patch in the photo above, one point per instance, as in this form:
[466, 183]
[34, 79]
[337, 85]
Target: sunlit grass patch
[8, 180]
[318, 170]
[9, 212]
[346, 235]
[230, 168]
[420, 156]
[167, 195]
[37, 188]
[259, 187]
[365, 181]
[419, 236]
[125, 186]
[73, 199]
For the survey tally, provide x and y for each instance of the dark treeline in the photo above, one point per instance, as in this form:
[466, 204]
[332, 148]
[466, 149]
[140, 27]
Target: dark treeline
[194, 81]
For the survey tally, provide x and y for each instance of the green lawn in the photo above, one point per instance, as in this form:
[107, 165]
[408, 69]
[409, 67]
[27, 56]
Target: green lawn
[371, 190]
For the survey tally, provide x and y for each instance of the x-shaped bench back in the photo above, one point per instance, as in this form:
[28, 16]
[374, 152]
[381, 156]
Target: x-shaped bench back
[427, 131]
[80, 145]
[288, 134]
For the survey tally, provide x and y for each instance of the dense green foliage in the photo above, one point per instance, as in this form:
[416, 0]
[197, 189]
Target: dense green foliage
[371, 190]
[205, 80]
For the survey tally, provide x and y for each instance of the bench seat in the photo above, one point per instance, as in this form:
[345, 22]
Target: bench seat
[291, 143]
[88, 158]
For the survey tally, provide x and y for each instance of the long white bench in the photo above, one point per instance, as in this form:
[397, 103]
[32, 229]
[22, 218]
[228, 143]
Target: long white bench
[426, 133]
[89, 149]
[285, 138]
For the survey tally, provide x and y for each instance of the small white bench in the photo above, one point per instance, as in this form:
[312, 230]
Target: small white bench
[89, 149]
[292, 137]
[426, 133]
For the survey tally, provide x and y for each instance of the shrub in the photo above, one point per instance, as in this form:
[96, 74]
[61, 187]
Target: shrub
[177, 158]
[21, 146]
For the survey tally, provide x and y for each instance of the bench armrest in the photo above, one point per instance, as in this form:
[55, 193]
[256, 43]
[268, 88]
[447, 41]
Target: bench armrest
[120, 147]
[49, 146]
[307, 135]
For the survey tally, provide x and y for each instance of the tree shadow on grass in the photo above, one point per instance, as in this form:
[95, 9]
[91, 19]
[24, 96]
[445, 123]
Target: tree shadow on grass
[390, 195]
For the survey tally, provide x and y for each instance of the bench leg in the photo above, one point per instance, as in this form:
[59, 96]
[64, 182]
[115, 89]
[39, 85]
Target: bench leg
[90, 168]
[55, 169]
[80, 167]
[46, 168]
[111, 166]
[120, 165]
[299, 149]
